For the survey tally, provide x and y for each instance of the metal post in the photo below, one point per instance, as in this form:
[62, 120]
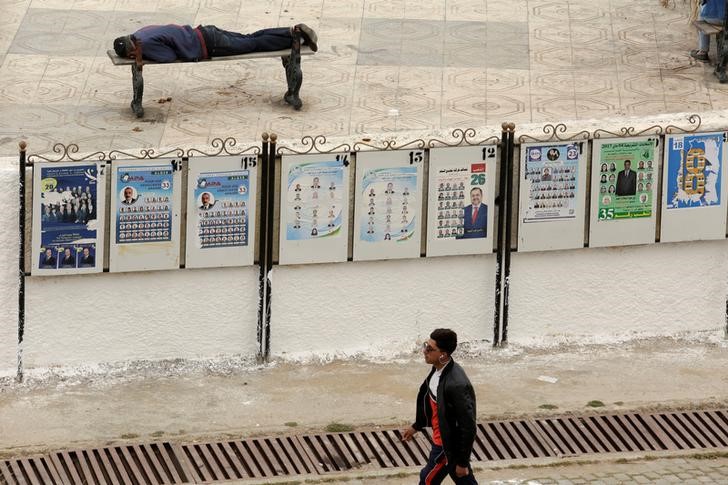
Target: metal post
[501, 202]
[270, 191]
[21, 258]
[262, 249]
[508, 203]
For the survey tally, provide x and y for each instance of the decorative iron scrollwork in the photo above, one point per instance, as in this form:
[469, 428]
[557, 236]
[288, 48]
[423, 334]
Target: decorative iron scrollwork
[390, 145]
[628, 131]
[224, 146]
[693, 119]
[314, 146]
[462, 137]
[146, 153]
[554, 133]
[66, 153]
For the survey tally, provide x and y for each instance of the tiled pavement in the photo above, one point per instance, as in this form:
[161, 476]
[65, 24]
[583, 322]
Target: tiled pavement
[383, 65]
[661, 471]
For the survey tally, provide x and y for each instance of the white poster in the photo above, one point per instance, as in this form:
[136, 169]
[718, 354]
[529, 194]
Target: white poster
[145, 214]
[694, 187]
[624, 195]
[388, 204]
[314, 225]
[552, 196]
[221, 202]
[68, 218]
[461, 200]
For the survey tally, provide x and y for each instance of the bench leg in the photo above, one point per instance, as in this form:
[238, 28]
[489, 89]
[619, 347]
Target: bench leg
[137, 80]
[294, 75]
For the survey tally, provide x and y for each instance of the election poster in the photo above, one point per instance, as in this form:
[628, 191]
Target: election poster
[552, 196]
[221, 211]
[460, 203]
[694, 167]
[145, 207]
[624, 188]
[68, 218]
[626, 180]
[389, 197]
[550, 178]
[694, 187]
[314, 208]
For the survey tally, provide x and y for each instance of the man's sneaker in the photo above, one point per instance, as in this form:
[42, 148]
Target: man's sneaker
[309, 36]
[699, 55]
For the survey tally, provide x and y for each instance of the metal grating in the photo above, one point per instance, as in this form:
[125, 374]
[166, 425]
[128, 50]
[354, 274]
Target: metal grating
[319, 454]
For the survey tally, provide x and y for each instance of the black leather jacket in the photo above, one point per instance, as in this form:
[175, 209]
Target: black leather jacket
[455, 410]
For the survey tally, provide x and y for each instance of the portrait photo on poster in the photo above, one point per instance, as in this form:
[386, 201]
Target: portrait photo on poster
[387, 197]
[550, 180]
[626, 180]
[315, 200]
[144, 209]
[460, 200]
[222, 206]
[68, 217]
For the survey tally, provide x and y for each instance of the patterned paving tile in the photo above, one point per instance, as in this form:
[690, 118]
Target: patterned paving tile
[383, 66]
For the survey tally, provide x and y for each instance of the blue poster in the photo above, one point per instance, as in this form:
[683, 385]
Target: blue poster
[314, 200]
[390, 208]
[222, 200]
[694, 164]
[144, 211]
[68, 205]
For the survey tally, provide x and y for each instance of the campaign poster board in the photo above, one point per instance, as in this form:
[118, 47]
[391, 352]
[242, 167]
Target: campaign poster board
[314, 222]
[624, 191]
[552, 195]
[69, 210]
[461, 196]
[146, 200]
[694, 187]
[387, 214]
[221, 203]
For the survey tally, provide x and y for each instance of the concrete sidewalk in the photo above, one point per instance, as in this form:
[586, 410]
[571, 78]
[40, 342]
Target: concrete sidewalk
[183, 401]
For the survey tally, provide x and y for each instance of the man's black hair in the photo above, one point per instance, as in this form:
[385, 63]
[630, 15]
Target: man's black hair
[446, 339]
[123, 46]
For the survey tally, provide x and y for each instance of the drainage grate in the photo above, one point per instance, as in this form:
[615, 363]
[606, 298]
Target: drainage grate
[251, 458]
[320, 454]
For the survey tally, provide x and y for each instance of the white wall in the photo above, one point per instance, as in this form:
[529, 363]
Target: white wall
[607, 294]
[109, 317]
[379, 308]
[8, 266]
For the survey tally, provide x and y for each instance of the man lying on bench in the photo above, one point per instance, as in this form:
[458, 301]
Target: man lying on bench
[170, 43]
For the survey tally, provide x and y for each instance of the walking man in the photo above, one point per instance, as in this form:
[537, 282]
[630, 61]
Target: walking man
[445, 402]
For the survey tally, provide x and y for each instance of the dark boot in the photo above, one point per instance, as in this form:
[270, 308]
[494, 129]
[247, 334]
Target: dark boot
[309, 36]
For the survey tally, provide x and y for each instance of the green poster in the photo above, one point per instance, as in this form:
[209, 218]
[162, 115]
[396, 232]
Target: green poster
[626, 179]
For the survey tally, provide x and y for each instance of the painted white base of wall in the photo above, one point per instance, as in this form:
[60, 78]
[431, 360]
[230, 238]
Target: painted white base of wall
[609, 294]
[8, 267]
[379, 309]
[108, 317]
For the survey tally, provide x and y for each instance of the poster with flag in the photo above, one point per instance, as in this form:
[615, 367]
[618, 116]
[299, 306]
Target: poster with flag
[460, 200]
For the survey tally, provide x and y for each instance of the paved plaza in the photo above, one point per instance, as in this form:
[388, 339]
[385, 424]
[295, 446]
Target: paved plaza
[383, 66]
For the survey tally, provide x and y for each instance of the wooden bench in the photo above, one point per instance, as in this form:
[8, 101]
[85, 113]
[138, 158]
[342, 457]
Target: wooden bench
[291, 63]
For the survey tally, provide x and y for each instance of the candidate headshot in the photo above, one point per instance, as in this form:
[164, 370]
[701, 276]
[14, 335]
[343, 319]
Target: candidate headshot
[206, 201]
[627, 180]
[128, 195]
[475, 216]
[604, 167]
[546, 175]
[48, 259]
[68, 260]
